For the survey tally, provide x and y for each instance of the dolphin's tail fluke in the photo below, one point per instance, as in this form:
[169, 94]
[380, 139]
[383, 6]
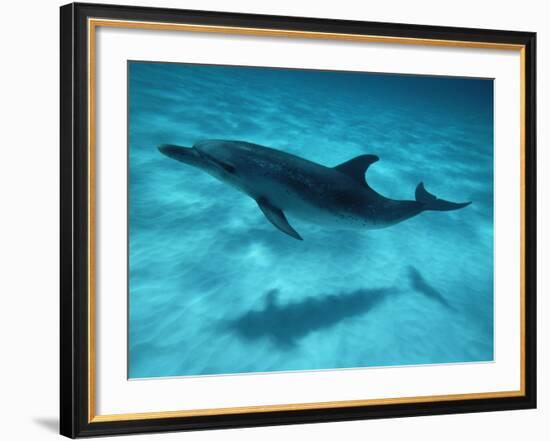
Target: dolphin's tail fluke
[430, 202]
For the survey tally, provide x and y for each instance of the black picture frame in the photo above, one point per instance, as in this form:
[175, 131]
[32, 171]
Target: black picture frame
[76, 419]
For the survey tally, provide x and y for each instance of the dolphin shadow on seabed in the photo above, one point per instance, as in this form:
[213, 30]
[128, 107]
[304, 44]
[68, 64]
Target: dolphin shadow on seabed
[285, 324]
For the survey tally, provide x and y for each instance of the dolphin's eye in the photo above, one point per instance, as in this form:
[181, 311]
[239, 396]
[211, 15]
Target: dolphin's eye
[228, 167]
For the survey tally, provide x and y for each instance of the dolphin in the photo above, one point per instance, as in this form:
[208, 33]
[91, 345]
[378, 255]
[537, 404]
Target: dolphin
[282, 183]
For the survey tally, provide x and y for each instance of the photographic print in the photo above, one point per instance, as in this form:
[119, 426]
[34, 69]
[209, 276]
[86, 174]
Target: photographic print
[292, 219]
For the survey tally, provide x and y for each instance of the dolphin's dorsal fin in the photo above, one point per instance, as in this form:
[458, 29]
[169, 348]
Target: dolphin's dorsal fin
[277, 218]
[355, 168]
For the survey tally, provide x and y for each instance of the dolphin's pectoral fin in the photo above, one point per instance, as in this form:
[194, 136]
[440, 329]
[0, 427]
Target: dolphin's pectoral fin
[356, 168]
[277, 218]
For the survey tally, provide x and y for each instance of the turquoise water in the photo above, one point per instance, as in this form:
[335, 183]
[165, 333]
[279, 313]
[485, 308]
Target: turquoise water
[214, 288]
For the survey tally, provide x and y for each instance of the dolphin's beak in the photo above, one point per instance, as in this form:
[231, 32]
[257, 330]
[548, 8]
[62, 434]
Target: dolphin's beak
[187, 155]
[172, 151]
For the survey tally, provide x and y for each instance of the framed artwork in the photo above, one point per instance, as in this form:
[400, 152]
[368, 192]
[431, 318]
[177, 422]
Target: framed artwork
[272, 220]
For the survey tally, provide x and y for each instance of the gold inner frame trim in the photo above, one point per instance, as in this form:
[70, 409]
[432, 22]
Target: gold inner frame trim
[92, 25]
[299, 406]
